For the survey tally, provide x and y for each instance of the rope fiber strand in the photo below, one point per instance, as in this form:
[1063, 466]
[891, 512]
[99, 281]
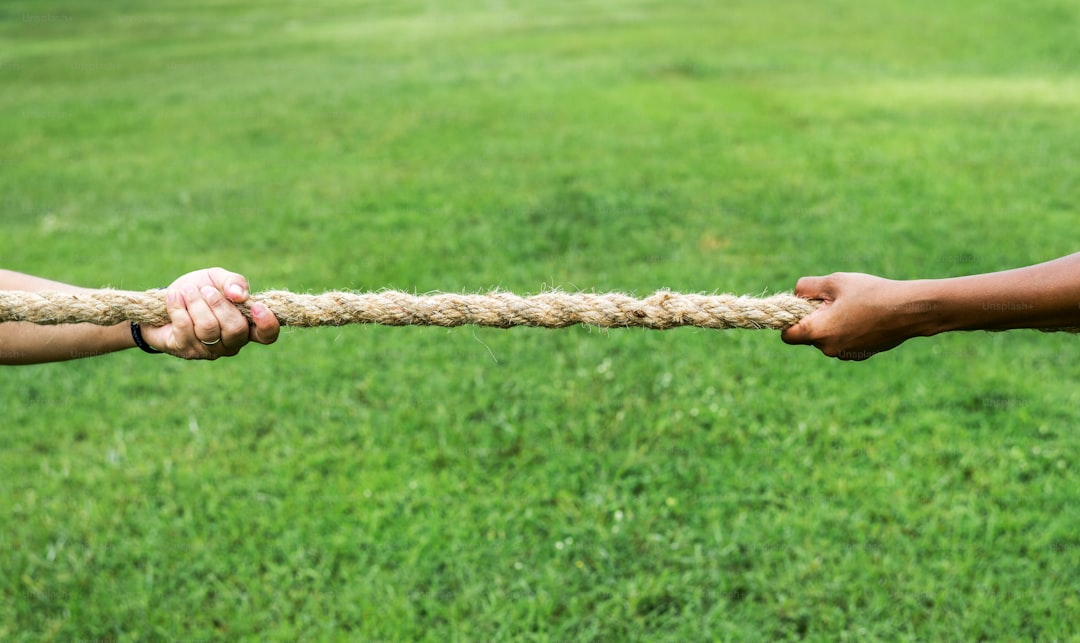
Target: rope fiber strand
[661, 310]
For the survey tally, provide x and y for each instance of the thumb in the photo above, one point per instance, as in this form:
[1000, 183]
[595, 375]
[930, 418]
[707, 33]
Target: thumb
[265, 327]
[233, 285]
[802, 332]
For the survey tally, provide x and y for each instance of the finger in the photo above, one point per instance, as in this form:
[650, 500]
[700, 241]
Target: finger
[810, 288]
[266, 328]
[234, 285]
[204, 324]
[161, 337]
[182, 324]
[231, 326]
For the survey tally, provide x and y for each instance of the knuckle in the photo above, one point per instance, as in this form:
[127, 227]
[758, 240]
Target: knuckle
[206, 326]
[236, 328]
[180, 318]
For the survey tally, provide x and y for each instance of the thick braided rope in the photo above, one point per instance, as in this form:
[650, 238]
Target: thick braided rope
[661, 310]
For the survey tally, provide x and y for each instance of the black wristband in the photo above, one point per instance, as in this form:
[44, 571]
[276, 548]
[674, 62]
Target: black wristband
[136, 334]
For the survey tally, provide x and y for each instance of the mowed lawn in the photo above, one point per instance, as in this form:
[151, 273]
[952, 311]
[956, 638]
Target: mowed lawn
[368, 483]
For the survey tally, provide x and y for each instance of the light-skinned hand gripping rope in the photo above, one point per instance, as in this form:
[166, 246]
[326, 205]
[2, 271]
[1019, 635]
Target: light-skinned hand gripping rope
[661, 310]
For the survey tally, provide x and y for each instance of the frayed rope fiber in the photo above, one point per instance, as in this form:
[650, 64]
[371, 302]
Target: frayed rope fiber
[661, 310]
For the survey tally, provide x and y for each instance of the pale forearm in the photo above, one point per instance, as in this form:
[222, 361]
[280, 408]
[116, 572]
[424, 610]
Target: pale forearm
[11, 280]
[204, 322]
[25, 343]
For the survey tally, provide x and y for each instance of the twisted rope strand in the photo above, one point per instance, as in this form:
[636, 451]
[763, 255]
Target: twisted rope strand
[661, 310]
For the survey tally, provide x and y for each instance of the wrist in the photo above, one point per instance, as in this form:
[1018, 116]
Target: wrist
[922, 311]
[959, 303]
[140, 341]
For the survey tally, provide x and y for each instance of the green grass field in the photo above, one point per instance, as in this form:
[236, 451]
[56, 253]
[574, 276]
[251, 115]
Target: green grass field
[368, 483]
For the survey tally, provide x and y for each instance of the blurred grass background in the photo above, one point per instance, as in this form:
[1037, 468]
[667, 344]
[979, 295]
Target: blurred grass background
[379, 483]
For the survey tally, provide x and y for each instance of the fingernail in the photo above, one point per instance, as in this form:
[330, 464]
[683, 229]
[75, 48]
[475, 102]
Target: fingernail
[236, 291]
[209, 294]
